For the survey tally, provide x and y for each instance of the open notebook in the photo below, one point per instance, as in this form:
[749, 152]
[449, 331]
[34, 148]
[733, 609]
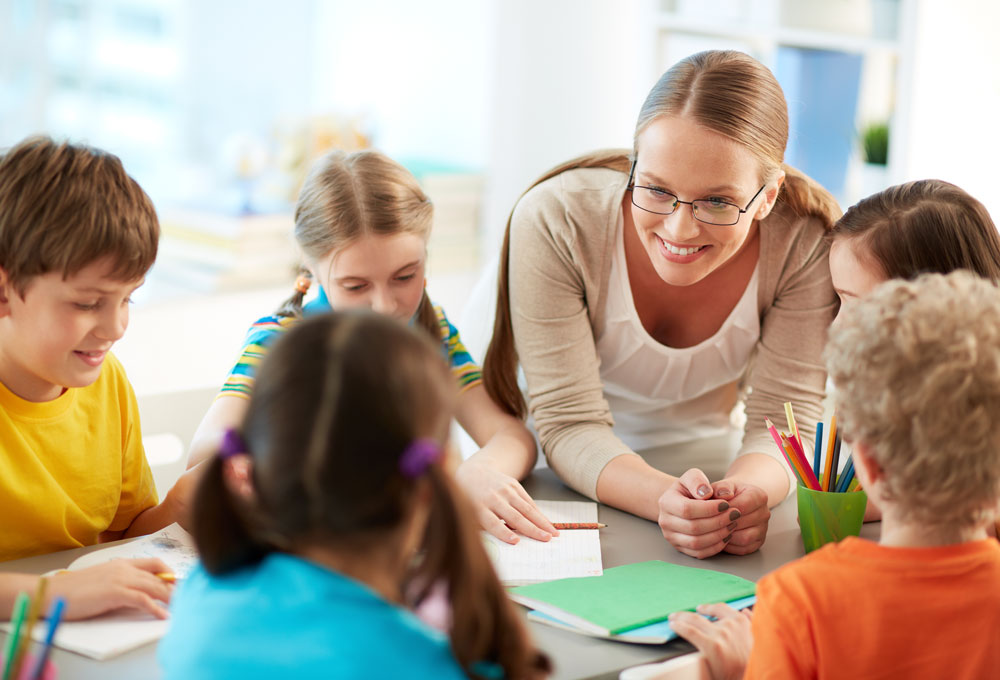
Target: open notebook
[575, 552]
[117, 632]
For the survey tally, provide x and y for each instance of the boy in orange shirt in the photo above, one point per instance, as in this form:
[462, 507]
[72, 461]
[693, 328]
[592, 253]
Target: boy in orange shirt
[916, 366]
[77, 236]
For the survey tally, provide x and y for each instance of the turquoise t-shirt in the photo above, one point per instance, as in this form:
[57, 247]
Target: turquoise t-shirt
[264, 331]
[290, 618]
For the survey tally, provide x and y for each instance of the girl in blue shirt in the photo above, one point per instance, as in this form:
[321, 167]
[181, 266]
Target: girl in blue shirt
[347, 520]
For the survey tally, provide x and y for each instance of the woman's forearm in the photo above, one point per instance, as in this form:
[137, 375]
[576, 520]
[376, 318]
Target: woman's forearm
[631, 484]
[762, 471]
[511, 450]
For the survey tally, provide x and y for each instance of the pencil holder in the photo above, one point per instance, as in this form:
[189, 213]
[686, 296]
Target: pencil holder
[827, 517]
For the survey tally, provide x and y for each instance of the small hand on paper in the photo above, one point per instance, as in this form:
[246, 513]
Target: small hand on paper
[725, 643]
[701, 519]
[502, 504]
[113, 585]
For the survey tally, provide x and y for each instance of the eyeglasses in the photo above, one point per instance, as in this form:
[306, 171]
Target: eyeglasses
[712, 211]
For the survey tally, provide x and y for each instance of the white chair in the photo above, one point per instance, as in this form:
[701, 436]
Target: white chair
[169, 420]
[167, 458]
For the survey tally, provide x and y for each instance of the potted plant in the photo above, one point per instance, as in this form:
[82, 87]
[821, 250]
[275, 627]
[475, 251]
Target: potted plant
[875, 143]
[874, 175]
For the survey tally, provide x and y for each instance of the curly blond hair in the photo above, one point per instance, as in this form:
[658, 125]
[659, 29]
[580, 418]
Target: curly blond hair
[916, 369]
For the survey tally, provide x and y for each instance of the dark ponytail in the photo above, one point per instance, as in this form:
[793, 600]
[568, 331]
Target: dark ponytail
[219, 525]
[486, 629]
[500, 364]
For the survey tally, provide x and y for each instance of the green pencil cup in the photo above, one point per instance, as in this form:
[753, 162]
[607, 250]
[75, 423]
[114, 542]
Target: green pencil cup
[826, 517]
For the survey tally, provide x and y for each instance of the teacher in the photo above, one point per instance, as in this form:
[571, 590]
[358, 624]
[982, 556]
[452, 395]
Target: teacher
[646, 294]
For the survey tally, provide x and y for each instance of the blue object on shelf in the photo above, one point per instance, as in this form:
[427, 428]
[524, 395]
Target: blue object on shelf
[821, 87]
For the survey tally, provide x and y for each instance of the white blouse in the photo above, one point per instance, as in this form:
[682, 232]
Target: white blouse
[661, 395]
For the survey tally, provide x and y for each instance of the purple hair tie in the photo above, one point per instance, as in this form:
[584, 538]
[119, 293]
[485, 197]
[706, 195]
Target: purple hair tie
[417, 456]
[232, 444]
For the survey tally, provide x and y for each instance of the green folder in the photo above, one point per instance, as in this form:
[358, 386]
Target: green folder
[631, 596]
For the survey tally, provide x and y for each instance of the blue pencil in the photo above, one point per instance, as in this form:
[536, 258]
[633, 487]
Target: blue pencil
[846, 476]
[818, 450]
[55, 617]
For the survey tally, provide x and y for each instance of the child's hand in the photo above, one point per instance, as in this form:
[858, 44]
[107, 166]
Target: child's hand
[693, 520]
[725, 643]
[751, 501]
[112, 585]
[502, 504]
[180, 498]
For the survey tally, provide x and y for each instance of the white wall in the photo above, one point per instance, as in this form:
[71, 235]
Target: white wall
[956, 98]
[568, 77]
[417, 70]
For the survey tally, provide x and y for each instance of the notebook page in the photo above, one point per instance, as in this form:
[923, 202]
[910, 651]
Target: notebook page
[117, 632]
[575, 552]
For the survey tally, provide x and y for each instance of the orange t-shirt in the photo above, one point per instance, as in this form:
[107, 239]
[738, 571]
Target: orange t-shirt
[857, 609]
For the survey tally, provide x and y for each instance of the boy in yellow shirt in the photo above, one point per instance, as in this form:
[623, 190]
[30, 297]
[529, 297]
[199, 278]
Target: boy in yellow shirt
[77, 236]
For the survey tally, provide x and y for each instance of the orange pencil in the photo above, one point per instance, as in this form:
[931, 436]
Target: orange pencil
[790, 455]
[578, 525]
[779, 440]
[167, 576]
[830, 443]
[800, 455]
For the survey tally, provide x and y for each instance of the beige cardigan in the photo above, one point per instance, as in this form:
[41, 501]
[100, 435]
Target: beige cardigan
[561, 246]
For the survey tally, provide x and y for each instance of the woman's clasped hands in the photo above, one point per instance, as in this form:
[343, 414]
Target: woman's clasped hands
[701, 518]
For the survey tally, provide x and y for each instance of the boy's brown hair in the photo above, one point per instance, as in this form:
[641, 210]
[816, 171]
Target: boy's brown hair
[64, 206]
[916, 370]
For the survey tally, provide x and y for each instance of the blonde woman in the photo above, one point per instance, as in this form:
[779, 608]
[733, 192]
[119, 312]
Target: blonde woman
[642, 291]
[362, 223]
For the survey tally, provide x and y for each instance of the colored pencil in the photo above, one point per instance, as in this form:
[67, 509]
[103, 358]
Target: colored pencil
[796, 462]
[17, 623]
[793, 428]
[578, 525]
[835, 463]
[34, 609]
[817, 454]
[800, 455]
[55, 618]
[846, 476]
[832, 437]
[167, 576]
[781, 447]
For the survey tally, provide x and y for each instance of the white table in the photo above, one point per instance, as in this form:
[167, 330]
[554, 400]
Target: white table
[626, 539]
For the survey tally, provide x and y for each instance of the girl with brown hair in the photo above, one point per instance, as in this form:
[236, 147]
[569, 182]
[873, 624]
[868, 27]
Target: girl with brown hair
[349, 517]
[362, 223]
[642, 291]
[923, 227]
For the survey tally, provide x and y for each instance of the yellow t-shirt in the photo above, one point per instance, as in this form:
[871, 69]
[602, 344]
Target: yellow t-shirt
[72, 467]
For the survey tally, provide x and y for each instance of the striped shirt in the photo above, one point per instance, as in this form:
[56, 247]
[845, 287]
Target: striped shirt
[266, 330]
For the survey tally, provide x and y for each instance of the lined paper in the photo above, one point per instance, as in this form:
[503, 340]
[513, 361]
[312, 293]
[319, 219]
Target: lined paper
[574, 552]
[119, 631]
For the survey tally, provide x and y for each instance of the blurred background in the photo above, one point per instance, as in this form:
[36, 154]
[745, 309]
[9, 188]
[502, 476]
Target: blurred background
[218, 107]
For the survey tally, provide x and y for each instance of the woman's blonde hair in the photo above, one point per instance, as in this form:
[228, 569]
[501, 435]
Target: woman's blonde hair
[350, 195]
[916, 370]
[725, 91]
